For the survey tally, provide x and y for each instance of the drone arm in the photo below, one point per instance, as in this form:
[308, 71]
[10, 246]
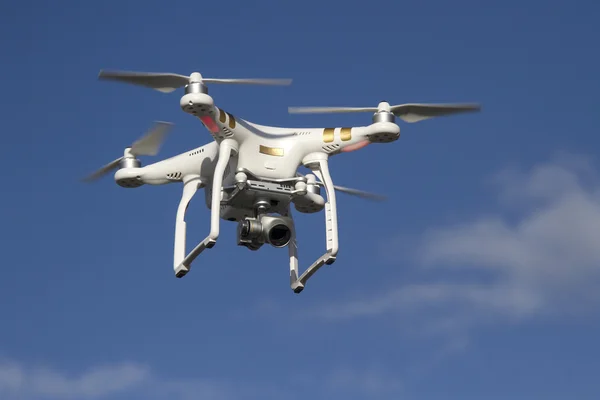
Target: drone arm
[321, 169]
[226, 148]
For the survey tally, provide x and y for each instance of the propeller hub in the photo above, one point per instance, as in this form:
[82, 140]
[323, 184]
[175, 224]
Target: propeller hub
[383, 106]
[195, 77]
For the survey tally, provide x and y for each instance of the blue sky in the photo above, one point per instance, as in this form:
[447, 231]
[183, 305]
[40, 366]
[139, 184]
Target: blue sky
[479, 278]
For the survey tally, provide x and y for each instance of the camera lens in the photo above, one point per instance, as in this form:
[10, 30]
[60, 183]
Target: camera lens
[244, 228]
[279, 235]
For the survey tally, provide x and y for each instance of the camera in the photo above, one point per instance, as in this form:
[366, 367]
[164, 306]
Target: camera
[274, 230]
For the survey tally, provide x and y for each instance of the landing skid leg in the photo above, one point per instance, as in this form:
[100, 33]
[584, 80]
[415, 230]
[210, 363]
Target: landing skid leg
[293, 252]
[321, 169]
[190, 187]
[226, 148]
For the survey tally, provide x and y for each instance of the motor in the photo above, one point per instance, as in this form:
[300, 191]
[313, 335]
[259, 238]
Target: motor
[274, 230]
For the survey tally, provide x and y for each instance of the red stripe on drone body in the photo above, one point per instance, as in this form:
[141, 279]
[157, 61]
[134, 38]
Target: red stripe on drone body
[356, 146]
[210, 123]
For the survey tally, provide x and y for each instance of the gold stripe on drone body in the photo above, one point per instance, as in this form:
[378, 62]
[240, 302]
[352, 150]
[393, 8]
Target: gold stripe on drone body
[345, 134]
[271, 151]
[231, 120]
[328, 135]
[222, 116]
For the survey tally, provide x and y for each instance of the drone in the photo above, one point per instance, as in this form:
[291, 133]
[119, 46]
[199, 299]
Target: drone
[250, 171]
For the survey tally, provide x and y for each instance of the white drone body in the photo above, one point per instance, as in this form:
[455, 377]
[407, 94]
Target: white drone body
[250, 171]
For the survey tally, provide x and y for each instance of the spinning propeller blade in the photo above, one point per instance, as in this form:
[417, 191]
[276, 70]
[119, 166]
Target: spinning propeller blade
[150, 143]
[250, 81]
[359, 193]
[411, 112]
[168, 82]
[329, 110]
[103, 170]
[163, 82]
[354, 192]
[147, 145]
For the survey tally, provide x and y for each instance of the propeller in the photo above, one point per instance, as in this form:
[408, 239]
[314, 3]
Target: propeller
[147, 145]
[411, 112]
[356, 192]
[168, 82]
[350, 191]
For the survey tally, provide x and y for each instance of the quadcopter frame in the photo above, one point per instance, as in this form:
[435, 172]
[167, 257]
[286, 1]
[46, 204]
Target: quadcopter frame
[250, 170]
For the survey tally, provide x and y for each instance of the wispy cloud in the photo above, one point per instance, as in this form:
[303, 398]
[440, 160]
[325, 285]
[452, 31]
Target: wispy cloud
[537, 255]
[18, 382]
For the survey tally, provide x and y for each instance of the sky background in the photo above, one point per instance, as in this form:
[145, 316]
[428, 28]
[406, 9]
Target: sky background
[478, 279]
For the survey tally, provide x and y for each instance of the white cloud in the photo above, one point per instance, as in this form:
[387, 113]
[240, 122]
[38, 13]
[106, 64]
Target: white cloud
[20, 382]
[100, 382]
[537, 255]
[124, 380]
[97, 382]
[11, 377]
